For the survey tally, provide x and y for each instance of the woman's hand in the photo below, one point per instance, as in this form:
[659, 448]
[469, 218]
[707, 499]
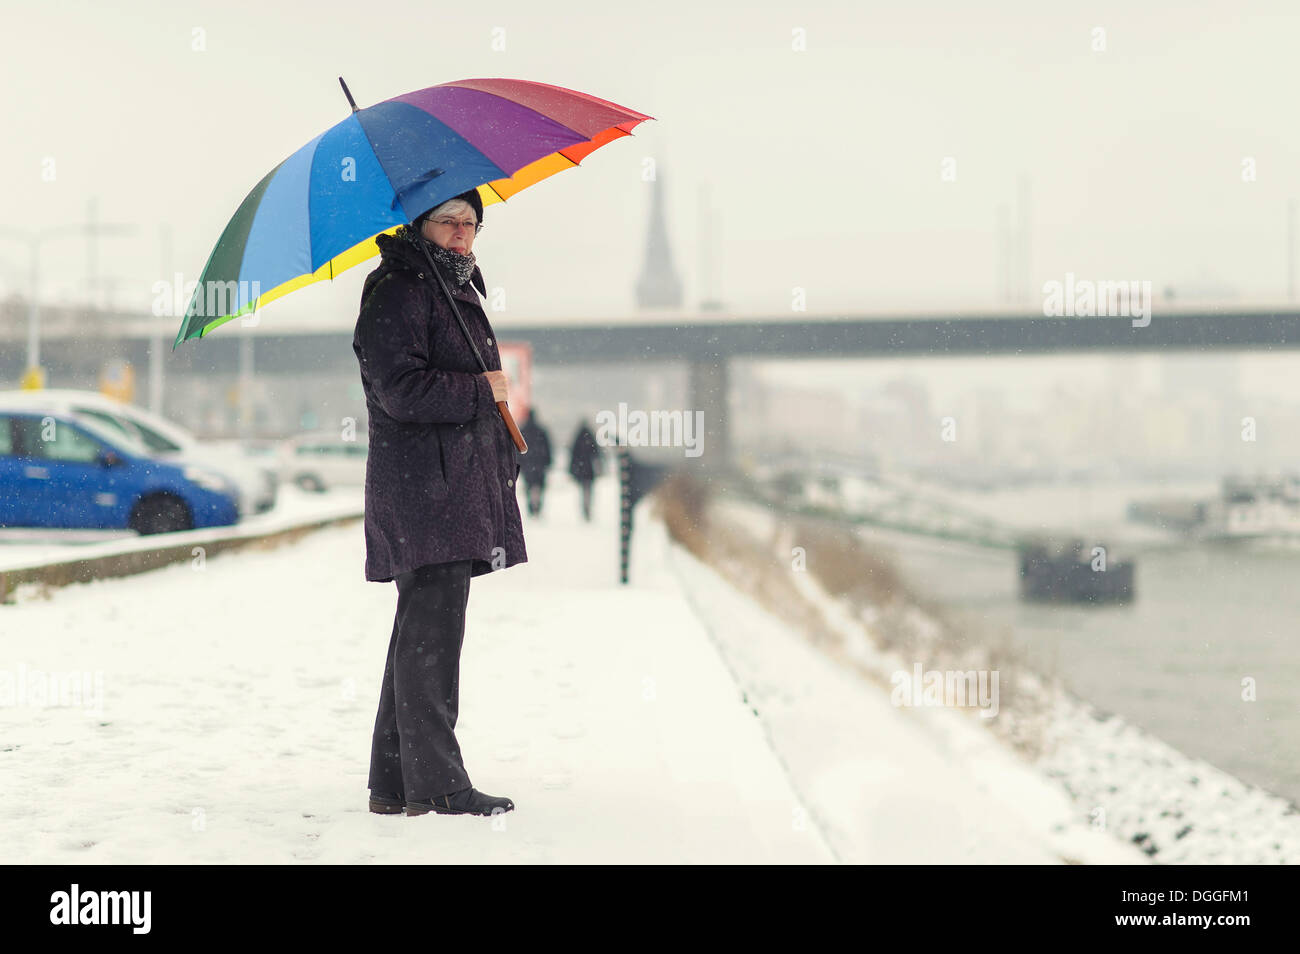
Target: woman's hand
[499, 383]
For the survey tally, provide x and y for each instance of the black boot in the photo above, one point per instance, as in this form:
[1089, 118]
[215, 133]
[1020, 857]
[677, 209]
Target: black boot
[386, 803]
[468, 801]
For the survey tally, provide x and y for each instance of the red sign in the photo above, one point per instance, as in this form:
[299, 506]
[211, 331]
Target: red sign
[517, 363]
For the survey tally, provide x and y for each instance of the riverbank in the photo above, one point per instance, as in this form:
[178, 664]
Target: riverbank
[854, 608]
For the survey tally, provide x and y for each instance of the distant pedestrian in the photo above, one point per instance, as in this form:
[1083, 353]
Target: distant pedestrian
[586, 463]
[536, 462]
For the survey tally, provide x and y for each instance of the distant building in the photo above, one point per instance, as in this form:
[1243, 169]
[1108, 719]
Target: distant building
[658, 286]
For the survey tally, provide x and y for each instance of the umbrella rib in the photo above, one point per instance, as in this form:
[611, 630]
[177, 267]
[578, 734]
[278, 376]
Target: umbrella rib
[504, 98]
[311, 167]
[380, 159]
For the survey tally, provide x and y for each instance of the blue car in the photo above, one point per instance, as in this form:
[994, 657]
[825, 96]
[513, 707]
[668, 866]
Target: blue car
[64, 471]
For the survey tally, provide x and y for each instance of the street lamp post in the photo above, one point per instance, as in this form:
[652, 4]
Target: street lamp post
[34, 239]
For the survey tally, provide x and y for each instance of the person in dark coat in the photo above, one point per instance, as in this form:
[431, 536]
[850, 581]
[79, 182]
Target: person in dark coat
[585, 463]
[536, 462]
[440, 504]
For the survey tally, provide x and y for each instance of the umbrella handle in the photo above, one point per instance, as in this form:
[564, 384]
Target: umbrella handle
[515, 436]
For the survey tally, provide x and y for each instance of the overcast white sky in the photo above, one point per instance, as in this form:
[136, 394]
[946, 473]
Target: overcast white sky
[824, 164]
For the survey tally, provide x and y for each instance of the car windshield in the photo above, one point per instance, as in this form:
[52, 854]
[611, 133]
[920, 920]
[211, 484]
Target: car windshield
[114, 425]
[156, 441]
[151, 439]
[117, 437]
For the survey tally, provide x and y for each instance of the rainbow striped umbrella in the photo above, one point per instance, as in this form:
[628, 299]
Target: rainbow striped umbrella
[317, 213]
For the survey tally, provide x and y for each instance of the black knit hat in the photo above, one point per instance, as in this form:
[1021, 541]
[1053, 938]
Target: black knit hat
[472, 197]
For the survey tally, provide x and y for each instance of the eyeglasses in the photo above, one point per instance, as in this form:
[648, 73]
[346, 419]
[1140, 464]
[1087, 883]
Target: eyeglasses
[457, 225]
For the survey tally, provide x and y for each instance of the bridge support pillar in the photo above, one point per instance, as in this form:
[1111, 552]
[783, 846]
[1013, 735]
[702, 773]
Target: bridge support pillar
[709, 386]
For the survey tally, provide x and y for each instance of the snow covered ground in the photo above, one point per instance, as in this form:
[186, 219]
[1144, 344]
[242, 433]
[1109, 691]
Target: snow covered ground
[238, 701]
[229, 707]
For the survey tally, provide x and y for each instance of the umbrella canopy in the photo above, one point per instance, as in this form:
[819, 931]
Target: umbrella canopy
[317, 213]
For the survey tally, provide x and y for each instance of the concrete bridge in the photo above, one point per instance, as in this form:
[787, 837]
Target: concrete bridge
[78, 342]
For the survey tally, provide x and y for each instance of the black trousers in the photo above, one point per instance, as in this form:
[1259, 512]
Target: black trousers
[414, 751]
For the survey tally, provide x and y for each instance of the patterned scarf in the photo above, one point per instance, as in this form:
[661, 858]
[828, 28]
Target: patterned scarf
[458, 267]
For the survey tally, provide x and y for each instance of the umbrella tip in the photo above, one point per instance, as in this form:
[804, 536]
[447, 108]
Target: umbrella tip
[348, 93]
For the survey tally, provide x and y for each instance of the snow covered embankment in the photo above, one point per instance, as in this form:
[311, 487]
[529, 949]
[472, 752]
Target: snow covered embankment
[1096, 790]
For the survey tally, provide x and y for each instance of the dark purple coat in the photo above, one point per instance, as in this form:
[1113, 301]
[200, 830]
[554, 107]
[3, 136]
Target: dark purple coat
[442, 471]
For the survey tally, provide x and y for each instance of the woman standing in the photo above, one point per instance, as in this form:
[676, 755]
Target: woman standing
[440, 496]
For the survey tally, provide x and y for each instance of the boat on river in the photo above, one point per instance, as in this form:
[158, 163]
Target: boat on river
[1064, 572]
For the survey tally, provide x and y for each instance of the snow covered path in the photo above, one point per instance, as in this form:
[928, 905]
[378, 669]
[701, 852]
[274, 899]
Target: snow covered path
[238, 700]
[672, 720]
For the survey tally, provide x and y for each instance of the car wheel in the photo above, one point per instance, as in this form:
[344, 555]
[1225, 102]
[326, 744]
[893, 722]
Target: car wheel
[310, 483]
[161, 514]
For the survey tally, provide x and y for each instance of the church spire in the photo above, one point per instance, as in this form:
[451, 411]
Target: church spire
[658, 286]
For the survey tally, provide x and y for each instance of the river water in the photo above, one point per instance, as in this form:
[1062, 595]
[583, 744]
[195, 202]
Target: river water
[1206, 617]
